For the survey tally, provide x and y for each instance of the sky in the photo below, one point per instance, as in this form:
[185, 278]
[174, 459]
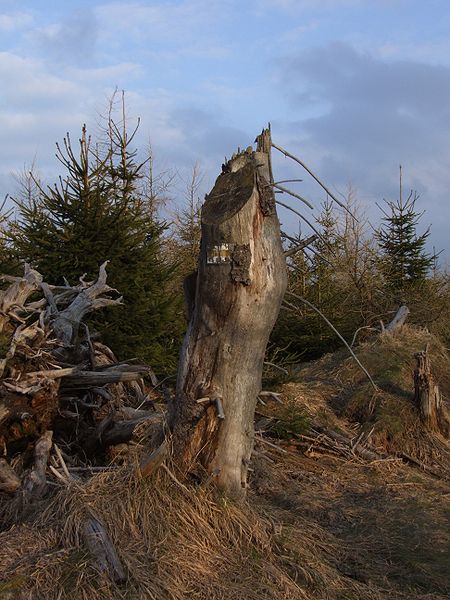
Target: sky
[353, 87]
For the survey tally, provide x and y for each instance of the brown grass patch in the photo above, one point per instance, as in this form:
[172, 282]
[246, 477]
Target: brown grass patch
[348, 396]
[317, 528]
[174, 542]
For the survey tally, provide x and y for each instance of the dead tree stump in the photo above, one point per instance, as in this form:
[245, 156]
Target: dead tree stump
[427, 396]
[238, 292]
[399, 320]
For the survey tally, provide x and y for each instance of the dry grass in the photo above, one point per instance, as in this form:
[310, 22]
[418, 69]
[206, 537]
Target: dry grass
[378, 530]
[174, 542]
[314, 528]
[390, 412]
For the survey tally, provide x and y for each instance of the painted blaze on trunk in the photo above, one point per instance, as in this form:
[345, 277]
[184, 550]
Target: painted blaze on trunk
[238, 292]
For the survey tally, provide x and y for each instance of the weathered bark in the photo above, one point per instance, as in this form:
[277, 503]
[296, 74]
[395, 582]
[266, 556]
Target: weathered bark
[427, 396]
[35, 483]
[240, 284]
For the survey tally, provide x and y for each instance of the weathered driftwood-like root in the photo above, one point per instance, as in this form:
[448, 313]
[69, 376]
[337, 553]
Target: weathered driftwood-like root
[92, 297]
[53, 373]
[13, 299]
[102, 549]
[35, 483]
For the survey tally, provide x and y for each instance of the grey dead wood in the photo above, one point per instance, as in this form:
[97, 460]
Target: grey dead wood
[88, 379]
[15, 296]
[358, 450]
[59, 344]
[300, 245]
[235, 302]
[67, 322]
[35, 483]
[123, 431]
[399, 320]
[150, 463]
[102, 549]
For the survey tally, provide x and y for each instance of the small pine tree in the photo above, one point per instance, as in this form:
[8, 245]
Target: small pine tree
[404, 261]
[96, 213]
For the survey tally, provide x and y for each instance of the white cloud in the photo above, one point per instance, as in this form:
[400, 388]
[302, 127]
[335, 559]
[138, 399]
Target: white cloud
[164, 26]
[71, 41]
[13, 21]
[26, 81]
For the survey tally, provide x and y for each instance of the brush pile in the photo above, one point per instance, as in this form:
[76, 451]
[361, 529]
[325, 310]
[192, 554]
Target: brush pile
[59, 384]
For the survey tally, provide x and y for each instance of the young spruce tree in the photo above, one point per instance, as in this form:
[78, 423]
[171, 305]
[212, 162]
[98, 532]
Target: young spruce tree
[94, 213]
[404, 261]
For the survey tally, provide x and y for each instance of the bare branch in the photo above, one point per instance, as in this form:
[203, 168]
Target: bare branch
[319, 312]
[322, 185]
[291, 193]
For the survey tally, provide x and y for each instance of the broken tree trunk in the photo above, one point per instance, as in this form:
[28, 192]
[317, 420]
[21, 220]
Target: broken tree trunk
[399, 320]
[239, 288]
[427, 396]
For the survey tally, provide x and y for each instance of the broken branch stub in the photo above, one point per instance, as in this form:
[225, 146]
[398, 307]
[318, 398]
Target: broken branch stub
[240, 284]
[399, 320]
[427, 396]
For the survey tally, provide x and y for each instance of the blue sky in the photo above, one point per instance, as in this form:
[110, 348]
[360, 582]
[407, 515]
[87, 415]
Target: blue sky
[354, 87]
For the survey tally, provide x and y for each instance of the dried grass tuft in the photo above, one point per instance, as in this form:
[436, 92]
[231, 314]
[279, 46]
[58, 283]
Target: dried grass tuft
[174, 542]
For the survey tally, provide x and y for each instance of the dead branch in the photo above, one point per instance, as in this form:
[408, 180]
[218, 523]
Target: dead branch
[293, 307]
[399, 320]
[293, 194]
[102, 549]
[300, 245]
[308, 170]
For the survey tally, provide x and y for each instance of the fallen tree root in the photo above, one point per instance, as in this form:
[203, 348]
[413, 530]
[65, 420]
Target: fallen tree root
[55, 378]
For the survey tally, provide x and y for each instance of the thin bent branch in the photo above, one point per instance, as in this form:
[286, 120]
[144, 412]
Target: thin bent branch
[322, 185]
[319, 312]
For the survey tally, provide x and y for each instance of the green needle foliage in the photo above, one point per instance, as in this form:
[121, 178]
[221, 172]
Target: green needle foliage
[404, 261]
[97, 212]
